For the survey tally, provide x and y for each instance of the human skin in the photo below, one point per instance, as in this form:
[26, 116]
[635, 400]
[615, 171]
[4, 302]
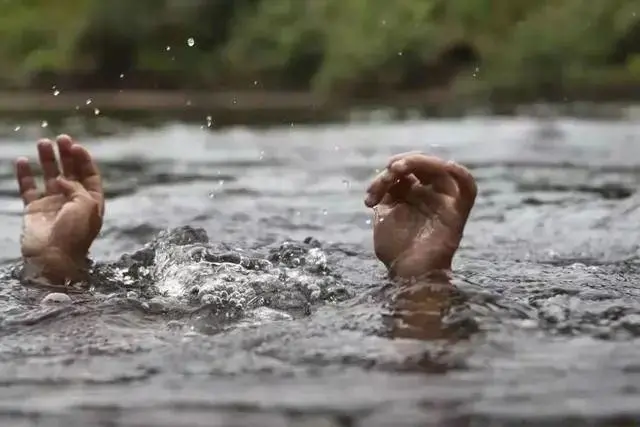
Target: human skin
[60, 222]
[421, 204]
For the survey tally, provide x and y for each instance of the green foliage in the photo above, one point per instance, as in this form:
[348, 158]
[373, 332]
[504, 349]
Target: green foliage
[325, 45]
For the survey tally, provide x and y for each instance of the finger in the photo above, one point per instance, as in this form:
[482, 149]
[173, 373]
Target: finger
[86, 168]
[429, 170]
[88, 174]
[49, 165]
[26, 181]
[400, 156]
[400, 190]
[467, 187]
[379, 187]
[65, 143]
[72, 189]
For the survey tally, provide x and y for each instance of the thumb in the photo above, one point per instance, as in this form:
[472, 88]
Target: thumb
[71, 189]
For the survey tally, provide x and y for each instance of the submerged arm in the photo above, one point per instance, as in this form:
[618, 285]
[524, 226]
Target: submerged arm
[421, 206]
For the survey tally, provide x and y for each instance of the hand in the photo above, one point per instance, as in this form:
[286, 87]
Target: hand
[421, 205]
[61, 223]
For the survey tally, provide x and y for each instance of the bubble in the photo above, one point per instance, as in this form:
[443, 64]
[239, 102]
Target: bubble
[122, 76]
[56, 298]
[368, 222]
[44, 124]
[324, 212]
[17, 128]
[191, 42]
[56, 92]
[88, 101]
[168, 48]
[346, 184]
[96, 111]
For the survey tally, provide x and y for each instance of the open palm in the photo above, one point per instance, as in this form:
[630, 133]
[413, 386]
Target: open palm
[421, 206]
[61, 222]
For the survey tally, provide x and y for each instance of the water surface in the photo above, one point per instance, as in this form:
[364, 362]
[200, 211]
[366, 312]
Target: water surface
[548, 268]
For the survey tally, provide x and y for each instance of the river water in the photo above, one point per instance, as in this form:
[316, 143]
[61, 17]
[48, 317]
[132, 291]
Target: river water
[548, 267]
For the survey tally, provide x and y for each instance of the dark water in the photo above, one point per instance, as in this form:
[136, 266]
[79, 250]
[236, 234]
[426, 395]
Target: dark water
[548, 268]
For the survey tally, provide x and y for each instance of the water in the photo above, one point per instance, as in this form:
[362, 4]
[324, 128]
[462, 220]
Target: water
[548, 271]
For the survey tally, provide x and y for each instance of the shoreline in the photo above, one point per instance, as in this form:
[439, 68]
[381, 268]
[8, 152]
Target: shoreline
[163, 100]
[256, 107]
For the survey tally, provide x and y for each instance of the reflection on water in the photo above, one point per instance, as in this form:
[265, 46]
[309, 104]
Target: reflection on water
[238, 285]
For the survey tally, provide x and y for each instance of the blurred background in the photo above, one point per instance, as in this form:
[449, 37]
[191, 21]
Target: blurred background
[244, 61]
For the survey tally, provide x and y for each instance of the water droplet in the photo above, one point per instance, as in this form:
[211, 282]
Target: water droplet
[346, 183]
[191, 42]
[17, 128]
[400, 53]
[56, 92]
[209, 121]
[77, 107]
[324, 212]
[221, 182]
[88, 101]
[44, 124]
[122, 76]
[383, 22]
[188, 102]
[255, 83]
[96, 111]
[381, 220]
[261, 155]
[336, 148]
[168, 48]
[212, 195]
[368, 222]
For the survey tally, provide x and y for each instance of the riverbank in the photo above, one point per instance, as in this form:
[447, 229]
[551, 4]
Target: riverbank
[235, 101]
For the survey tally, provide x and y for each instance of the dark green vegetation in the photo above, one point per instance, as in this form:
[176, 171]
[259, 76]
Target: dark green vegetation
[341, 48]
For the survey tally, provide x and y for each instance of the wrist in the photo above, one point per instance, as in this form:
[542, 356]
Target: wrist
[55, 266]
[412, 267]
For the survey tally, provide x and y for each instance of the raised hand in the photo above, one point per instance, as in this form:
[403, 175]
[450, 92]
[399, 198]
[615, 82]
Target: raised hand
[421, 205]
[61, 222]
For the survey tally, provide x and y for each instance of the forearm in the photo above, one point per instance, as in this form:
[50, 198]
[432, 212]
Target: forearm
[420, 303]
